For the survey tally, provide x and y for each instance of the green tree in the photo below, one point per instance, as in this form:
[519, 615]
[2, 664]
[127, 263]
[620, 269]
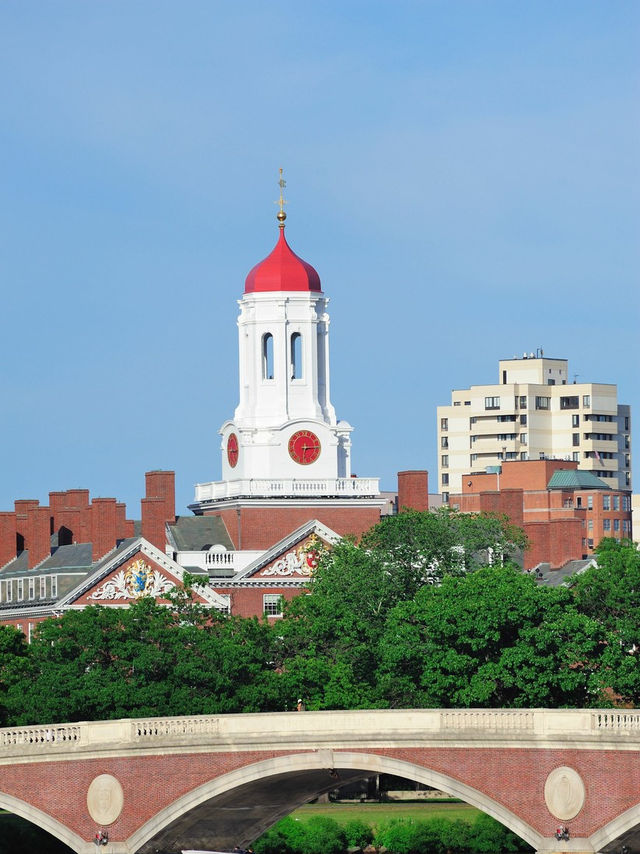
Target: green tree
[609, 594]
[492, 638]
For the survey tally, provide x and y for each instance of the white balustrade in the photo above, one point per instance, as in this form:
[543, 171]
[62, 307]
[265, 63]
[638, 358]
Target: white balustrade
[283, 487]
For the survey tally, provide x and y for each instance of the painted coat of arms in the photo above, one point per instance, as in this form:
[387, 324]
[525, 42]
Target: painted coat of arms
[137, 580]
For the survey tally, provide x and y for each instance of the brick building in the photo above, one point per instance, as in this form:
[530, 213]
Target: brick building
[564, 511]
[286, 488]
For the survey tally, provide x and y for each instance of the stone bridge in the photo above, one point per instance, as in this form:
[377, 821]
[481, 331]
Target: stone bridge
[213, 782]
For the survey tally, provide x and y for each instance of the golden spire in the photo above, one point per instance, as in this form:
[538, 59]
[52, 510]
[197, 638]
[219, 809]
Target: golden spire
[281, 215]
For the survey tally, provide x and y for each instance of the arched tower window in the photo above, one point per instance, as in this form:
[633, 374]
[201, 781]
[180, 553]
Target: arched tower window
[296, 356]
[267, 356]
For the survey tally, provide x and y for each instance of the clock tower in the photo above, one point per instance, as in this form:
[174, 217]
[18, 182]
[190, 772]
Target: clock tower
[284, 441]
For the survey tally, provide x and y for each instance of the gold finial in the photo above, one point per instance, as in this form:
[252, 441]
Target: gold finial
[281, 215]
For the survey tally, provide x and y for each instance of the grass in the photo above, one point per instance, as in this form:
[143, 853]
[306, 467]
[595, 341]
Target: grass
[374, 814]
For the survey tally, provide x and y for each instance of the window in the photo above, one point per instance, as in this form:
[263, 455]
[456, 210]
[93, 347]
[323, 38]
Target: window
[626, 422]
[444, 423]
[575, 420]
[272, 604]
[32, 588]
[626, 502]
[445, 497]
[456, 403]
[586, 400]
[627, 478]
[589, 502]
[296, 356]
[627, 461]
[523, 420]
[590, 524]
[445, 461]
[445, 480]
[267, 356]
[576, 439]
[467, 403]
[627, 443]
[523, 401]
[510, 455]
[606, 502]
[616, 502]
[616, 525]
[20, 589]
[570, 402]
[625, 526]
[523, 438]
[492, 403]
[474, 458]
[1, 590]
[43, 587]
[444, 441]
[543, 402]
[9, 591]
[524, 455]
[576, 456]
[54, 586]
[29, 632]
[606, 524]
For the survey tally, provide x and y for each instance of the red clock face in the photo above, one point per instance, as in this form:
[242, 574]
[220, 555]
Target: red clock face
[232, 450]
[304, 447]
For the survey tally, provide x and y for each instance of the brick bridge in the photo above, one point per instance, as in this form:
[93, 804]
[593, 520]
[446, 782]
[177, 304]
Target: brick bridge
[167, 784]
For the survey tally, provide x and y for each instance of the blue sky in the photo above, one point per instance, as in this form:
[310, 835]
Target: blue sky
[463, 176]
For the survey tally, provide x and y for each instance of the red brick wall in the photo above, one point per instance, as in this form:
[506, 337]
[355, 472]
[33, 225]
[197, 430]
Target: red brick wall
[413, 490]
[263, 527]
[153, 521]
[7, 537]
[162, 484]
[514, 778]
[38, 534]
[248, 602]
[103, 526]
[57, 503]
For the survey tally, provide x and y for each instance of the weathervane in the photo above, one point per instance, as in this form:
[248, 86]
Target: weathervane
[281, 215]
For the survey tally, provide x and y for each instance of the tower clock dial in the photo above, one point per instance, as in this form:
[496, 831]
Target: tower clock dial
[232, 450]
[304, 447]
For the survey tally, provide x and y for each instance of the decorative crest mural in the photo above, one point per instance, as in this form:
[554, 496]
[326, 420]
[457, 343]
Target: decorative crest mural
[300, 561]
[137, 580]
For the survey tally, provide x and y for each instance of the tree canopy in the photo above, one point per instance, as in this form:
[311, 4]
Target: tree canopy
[408, 617]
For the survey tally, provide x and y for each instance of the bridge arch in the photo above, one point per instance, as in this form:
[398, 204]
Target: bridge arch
[42, 820]
[627, 822]
[367, 763]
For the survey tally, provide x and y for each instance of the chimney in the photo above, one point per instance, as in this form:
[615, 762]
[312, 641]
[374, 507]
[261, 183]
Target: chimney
[22, 506]
[162, 484]
[78, 498]
[8, 546]
[57, 503]
[153, 521]
[103, 526]
[68, 521]
[413, 490]
[38, 534]
[121, 520]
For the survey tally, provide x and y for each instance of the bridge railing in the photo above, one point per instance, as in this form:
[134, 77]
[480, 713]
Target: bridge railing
[332, 729]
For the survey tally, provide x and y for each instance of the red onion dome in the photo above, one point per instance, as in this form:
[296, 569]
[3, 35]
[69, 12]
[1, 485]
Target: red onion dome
[282, 270]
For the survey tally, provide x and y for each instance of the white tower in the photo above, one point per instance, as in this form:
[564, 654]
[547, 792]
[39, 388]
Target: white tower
[284, 439]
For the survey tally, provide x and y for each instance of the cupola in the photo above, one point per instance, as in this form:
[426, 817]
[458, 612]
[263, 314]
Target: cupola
[282, 270]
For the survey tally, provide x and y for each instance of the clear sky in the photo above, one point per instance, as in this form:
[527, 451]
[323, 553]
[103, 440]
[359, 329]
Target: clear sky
[462, 174]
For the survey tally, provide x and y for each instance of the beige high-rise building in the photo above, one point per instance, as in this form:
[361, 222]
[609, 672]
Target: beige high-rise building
[534, 412]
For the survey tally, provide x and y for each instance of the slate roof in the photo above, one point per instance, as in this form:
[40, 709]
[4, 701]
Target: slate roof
[548, 577]
[199, 533]
[575, 479]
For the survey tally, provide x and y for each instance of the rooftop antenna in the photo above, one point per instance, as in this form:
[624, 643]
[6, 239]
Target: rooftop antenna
[575, 377]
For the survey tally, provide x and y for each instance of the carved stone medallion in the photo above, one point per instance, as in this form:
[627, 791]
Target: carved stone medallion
[105, 799]
[564, 793]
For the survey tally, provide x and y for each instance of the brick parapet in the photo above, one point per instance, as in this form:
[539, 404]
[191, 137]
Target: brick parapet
[413, 490]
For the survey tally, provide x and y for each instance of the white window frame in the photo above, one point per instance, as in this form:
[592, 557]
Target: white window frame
[272, 604]
[32, 589]
[20, 591]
